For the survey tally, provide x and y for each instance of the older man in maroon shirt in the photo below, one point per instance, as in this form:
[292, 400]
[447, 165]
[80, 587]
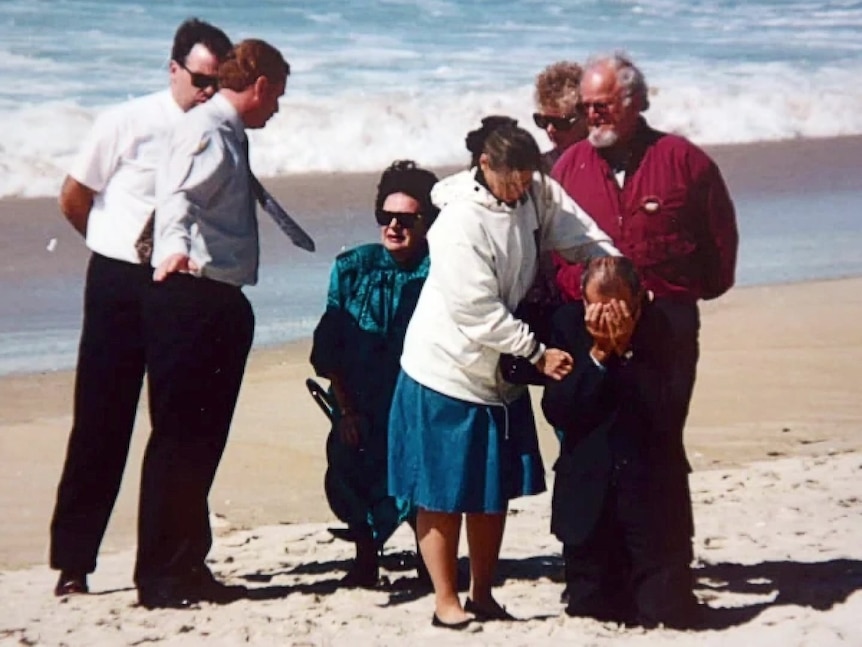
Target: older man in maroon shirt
[663, 202]
[661, 199]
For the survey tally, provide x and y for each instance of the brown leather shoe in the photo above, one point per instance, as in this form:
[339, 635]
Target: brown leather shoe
[71, 583]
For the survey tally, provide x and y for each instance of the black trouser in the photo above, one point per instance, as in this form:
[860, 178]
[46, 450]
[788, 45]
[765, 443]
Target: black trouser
[684, 320]
[199, 333]
[635, 565]
[108, 382]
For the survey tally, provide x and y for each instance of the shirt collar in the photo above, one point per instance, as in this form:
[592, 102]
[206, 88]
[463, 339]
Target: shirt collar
[171, 105]
[644, 137]
[224, 109]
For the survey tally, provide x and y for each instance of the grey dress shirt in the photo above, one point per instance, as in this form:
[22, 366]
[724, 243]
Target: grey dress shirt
[205, 207]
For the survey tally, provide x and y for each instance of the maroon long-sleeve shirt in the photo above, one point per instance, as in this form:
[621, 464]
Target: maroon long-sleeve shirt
[673, 215]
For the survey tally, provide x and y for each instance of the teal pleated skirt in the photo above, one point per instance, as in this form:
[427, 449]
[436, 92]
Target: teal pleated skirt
[450, 455]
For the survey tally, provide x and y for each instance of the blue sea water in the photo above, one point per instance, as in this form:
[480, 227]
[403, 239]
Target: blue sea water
[786, 236]
[373, 81]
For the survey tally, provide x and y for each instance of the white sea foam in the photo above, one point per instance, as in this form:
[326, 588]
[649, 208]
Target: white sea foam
[408, 78]
[357, 131]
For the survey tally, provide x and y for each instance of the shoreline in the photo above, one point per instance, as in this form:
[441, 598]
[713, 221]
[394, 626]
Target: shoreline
[750, 165]
[304, 340]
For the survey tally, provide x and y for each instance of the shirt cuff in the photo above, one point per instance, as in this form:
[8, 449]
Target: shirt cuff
[165, 247]
[537, 353]
[598, 364]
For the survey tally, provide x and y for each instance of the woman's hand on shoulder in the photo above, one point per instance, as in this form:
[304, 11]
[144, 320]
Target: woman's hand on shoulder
[555, 363]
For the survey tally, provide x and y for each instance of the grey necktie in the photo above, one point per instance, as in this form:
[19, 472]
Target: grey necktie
[297, 235]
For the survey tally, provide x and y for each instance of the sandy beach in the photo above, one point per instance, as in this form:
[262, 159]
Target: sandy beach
[774, 438]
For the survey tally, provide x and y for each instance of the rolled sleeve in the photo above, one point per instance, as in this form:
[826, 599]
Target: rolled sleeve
[99, 155]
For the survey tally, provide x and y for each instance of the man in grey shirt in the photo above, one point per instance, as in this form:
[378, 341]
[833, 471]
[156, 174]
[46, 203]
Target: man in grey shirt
[199, 323]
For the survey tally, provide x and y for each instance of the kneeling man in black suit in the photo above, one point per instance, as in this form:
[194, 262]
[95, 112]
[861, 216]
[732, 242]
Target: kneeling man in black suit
[621, 503]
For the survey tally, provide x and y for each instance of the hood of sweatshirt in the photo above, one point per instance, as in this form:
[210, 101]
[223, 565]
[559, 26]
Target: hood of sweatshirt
[464, 187]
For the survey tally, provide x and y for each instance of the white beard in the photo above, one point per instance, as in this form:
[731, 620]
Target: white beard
[603, 137]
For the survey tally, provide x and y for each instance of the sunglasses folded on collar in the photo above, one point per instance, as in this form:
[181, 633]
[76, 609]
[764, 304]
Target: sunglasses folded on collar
[404, 219]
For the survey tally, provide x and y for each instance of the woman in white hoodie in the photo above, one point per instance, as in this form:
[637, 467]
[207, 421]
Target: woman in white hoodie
[461, 440]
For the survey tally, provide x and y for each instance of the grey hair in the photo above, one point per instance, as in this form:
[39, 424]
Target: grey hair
[629, 77]
[608, 273]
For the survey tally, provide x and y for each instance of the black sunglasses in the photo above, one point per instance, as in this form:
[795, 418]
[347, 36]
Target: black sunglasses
[598, 106]
[559, 123]
[199, 80]
[405, 220]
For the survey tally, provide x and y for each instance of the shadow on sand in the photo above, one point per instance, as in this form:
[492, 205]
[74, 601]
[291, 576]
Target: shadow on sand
[817, 585]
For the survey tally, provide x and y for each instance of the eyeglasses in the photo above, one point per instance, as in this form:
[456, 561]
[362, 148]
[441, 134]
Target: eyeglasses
[405, 220]
[599, 106]
[199, 80]
[559, 123]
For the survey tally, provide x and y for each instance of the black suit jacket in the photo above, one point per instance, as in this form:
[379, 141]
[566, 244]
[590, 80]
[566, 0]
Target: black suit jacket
[614, 430]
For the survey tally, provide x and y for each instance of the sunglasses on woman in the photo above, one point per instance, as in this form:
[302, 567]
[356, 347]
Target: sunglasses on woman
[199, 80]
[405, 220]
[559, 123]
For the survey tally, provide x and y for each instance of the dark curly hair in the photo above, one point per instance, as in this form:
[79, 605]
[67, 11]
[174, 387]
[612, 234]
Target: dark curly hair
[403, 176]
[475, 139]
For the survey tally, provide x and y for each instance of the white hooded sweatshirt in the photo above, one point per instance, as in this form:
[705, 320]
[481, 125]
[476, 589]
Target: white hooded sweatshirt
[483, 261]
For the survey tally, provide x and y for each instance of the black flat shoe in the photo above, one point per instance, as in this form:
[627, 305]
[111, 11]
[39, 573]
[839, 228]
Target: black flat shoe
[484, 615]
[71, 583]
[457, 626]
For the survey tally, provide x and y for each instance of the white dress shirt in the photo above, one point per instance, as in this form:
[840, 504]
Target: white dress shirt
[205, 205]
[118, 161]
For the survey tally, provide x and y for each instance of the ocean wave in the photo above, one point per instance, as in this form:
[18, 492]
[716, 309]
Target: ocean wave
[358, 131]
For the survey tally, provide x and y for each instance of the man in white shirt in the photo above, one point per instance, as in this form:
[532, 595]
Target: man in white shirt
[108, 197]
[199, 323]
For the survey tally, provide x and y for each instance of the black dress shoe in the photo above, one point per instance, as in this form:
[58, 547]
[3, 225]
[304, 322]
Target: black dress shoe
[71, 583]
[484, 615]
[457, 626]
[165, 594]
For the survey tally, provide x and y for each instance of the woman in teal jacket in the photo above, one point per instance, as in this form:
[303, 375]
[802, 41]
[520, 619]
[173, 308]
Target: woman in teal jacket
[357, 346]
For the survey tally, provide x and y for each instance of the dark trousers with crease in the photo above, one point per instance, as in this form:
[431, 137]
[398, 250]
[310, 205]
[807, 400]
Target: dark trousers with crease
[108, 381]
[199, 334]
